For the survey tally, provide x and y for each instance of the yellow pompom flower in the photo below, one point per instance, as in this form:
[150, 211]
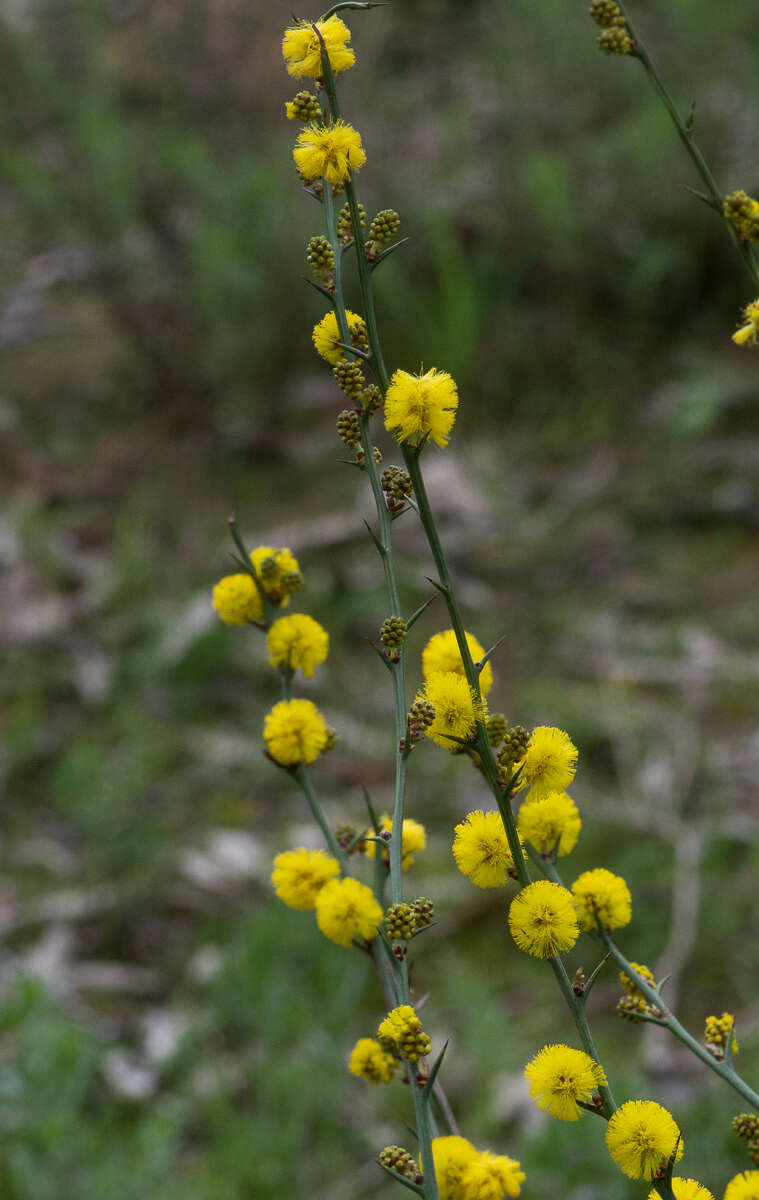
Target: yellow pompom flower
[552, 819]
[401, 1031]
[297, 642]
[491, 1177]
[277, 571]
[542, 919]
[326, 334]
[481, 849]
[370, 1062]
[299, 876]
[451, 1155]
[743, 1187]
[549, 763]
[330, 152]
[457, 709]
[345, 909]
[685, 1189]
[302, 51]
[413, 839]
[642, 1137]
[717, 1032]
[560, 1078]
[295, 732]
[236, 600]
[418, 406]
[746, 335]
[442, 654]
[605, 894]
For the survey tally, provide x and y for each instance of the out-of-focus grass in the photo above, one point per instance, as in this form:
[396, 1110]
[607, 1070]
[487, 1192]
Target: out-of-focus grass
[598, 501]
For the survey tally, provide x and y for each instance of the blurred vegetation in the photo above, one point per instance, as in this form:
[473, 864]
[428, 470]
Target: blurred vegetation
[164, 1026]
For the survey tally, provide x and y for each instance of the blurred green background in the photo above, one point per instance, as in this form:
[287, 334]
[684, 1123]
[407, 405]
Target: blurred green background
[166, 1027]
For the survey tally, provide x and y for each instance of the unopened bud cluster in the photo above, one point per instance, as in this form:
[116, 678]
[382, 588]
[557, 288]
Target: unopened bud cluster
[614, 37]
[330, 739]
[746, 1125]
[515, 743]
[742, 212]
[420, 717]
[376, 454]
[633, 1006]
[348, 428]
[303, 107]
[393, 632]
[346, 836]
[424, 911]
[383, 227]
[321, 259]
[395, 1158]
[345, 225]
[497, 728]
[397, 486]
[371, 399]
[400, 922]
[718, 1032]
[349, 378]
[278, 584]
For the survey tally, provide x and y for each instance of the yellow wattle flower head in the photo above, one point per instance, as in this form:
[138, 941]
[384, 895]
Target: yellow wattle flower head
[370, 1062]
[299, 876]
[442, 654]
[717, 1032]
[451, 1155]
[686, 1189]
[345, 909]
[236, 600]
[641, 1137]
[413, 839]
[746, 335]
[560, 1077]
[743, 1187]
[542, 919]
[330, 152]
[607, 894]
[401, 1031]
[417, 406]
[481, 849]
[277, 571]
[295, 732]
[552, 819]
[549, 763]
[457, 709]
[491, 1177]
[326, 335]
[302, 51]
[297, 642]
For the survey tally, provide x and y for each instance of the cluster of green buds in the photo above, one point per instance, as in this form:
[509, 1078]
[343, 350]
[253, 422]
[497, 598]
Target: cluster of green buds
[746, 1125]
[321, 259]
[395, 1158]
[349, 378]
[278, 583]
[383, 227]
[376, 453]
[303, 107]
[345, 225]
[497, 728]
[633, 1006]
[742, 212]
[348, 428]
[615, 37]
[718, 1032]
[402, 921]
[348, 838]
[397, 486]
[371, 399]
[393, 635]
[515, 743]
[420, 717]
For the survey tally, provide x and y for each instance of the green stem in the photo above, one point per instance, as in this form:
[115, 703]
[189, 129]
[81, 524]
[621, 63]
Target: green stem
[577, 1008]
[689, 142]
[301, 774]
[670, 1021]
[421, 1112]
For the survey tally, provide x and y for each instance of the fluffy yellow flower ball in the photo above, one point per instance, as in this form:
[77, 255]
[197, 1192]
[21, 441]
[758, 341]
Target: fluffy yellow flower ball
[370, 1062]
[413, 839]
[481, 849]
[330, 152]
[642, 1137]
[297, 642]
[743, 1187]
[418, 406]
[299, 876]
[326, 335]
[746, 335]
[549, 763]
[302, 51]
[236, 600]
[561, 1078]
[345, 909]
[542, 919]
[442, 654]
[451, 1155]
[456, 709]
[552, 819]
[295, 732]
[602, 894]
[685, 1189]
[491, 1177]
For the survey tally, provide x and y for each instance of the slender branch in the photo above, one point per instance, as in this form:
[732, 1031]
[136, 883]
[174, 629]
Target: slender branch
[300, 773]
[577, 1008]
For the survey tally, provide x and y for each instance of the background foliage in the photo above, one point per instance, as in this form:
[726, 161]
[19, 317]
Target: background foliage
[165, 1026]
